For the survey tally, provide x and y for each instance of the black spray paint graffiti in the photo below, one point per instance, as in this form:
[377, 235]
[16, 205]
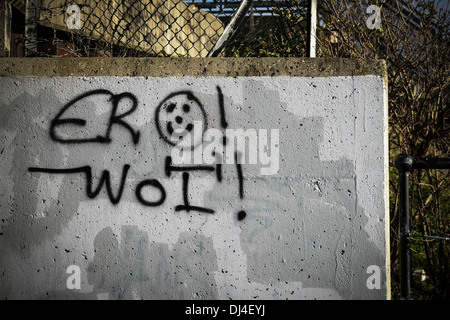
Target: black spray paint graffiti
[177, 111]
[113, 119]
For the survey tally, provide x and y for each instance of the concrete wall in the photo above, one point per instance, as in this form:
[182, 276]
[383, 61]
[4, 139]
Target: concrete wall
[95, 204]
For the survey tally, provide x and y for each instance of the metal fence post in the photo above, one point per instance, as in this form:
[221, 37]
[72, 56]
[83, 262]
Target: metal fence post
[5, 29]
[231, 28]
[312, 27]
[404, 164]
[31, 19]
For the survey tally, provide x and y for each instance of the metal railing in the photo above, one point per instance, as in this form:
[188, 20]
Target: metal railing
[175, 28]
[405, 164]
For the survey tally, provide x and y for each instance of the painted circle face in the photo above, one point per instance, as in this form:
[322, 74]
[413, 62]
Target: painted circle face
[180, 118]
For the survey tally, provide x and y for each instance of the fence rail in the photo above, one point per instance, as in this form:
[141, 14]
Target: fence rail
[190, 28]
[405, 164]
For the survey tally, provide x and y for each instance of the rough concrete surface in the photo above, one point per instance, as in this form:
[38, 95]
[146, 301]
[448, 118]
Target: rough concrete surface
[94, 205]
[178, 67]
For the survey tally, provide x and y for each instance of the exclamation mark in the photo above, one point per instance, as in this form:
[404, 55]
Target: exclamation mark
[224, 124]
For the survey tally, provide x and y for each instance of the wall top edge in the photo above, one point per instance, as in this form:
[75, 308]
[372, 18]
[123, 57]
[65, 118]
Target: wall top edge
[177, 67]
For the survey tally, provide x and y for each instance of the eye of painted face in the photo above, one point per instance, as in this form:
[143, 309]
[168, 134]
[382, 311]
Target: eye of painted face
[178, 115]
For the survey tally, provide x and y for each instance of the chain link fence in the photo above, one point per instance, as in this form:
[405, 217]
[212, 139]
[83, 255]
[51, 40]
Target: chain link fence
[411, 35]
[149, 28]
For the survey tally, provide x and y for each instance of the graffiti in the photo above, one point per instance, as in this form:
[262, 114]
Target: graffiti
[98, 203]
[143, 268]
[240, 175]
[220, 147]
[175, 116]
[87, 170]
[114, 101]
[179, 114]
[223, 121]
[155, 183]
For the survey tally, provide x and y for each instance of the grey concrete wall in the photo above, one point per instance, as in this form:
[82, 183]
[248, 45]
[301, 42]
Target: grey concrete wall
[95, 204]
